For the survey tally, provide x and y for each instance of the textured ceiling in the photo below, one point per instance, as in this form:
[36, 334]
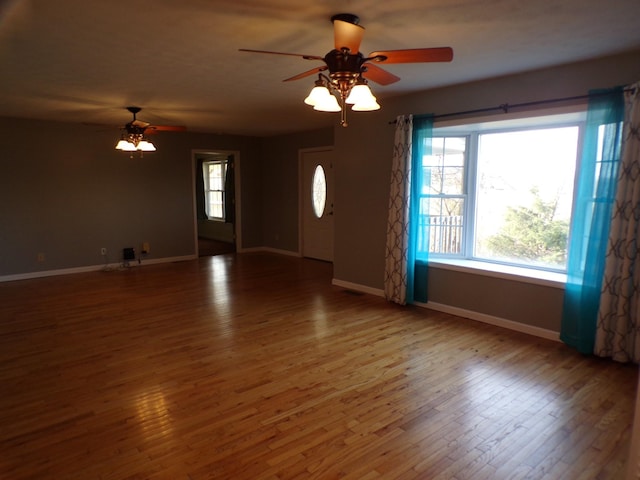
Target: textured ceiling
[84, 61]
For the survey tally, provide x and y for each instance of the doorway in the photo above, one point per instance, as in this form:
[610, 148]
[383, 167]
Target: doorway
[316, 203]
[216, 184]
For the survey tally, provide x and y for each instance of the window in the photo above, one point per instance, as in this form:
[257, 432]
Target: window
[501, 192]
[444, 195]
[319, 191]
[214, 194]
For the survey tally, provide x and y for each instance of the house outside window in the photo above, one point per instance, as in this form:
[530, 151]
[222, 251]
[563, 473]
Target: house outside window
[501, 192]
[214, 173]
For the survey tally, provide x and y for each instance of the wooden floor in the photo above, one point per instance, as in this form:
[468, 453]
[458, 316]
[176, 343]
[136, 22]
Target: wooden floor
[253, 366]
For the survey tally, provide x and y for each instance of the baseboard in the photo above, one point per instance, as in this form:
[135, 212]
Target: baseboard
[92, 268]
[357, 287]
[269, 250]
[461, 312]
[132, 263]
[491, 320]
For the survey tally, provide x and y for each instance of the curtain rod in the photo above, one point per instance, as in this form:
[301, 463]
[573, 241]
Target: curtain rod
[505, 106]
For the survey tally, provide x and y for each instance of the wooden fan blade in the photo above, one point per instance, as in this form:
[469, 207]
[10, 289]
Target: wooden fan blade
[347, 35]
[306, 74]
[379, 75]
[306, 57]
[139, 123]
[415, 55]
[164, 128]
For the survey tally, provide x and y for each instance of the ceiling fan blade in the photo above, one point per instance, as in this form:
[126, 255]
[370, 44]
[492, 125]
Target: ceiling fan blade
[140, 123]
[306, 74]
[306, 57]
[379, 75]
[347, 35]
[164, 128]
[415, 55]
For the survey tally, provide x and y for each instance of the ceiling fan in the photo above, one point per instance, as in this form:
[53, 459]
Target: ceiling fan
[133, 133]
[349, 70]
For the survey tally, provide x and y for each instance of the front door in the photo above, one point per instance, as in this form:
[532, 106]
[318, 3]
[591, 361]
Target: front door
[317, 204]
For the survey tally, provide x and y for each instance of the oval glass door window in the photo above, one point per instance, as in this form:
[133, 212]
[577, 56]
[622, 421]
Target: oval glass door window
[319, 191]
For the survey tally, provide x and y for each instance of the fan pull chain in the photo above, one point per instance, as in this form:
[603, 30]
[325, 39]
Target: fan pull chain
[343, 112]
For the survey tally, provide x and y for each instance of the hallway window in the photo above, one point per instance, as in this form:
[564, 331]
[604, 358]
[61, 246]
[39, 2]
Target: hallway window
[214, 175]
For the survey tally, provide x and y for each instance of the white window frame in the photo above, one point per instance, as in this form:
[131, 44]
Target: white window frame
[465, 261]
[208, 189]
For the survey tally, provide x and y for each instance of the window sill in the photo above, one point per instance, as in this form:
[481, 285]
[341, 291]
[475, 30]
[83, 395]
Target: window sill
[518, 274]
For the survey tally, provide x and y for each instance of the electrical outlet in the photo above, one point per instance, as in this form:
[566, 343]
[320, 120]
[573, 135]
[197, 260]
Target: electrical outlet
[40, 257]
[103, 251]
[145, 248]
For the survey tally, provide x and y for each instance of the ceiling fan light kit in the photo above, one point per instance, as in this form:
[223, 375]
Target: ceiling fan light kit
[126, 145]
[361, 98]
[133, 144]
[321, 99]
[349, 70]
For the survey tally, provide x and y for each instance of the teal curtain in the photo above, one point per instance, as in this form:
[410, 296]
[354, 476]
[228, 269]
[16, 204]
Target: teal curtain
[417, 273]
[596, 189]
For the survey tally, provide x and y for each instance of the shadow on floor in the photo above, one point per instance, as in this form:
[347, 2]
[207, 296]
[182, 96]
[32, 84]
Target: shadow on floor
[207, 247]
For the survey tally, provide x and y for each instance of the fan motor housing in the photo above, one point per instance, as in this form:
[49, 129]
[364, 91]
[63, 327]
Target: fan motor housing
[343, 61]
[134, 129]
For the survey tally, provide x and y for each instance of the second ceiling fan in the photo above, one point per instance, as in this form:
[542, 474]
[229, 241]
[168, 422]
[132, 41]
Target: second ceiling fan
[133, 133]
[349, 70]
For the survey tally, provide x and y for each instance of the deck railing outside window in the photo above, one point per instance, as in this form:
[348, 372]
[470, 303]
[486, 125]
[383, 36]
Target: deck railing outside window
[445, 234]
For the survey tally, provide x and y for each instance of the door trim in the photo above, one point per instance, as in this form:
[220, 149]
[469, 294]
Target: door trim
[238, 214]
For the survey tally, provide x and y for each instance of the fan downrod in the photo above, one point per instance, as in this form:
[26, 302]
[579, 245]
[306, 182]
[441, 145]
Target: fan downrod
[134, 110]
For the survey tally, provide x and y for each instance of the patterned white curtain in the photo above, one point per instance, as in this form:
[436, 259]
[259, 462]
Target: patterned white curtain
[618, 330]
[395, 278]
